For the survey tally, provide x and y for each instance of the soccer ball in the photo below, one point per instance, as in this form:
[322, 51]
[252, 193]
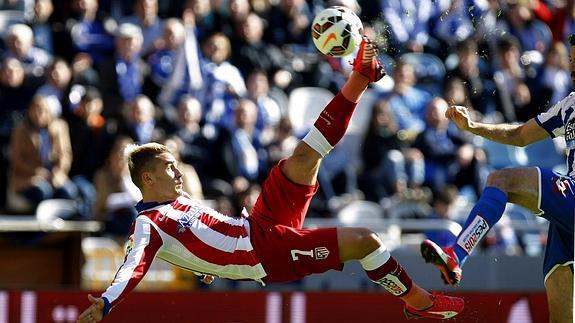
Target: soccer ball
[336, 31]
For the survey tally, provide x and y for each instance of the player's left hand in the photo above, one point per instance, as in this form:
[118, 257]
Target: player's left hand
[208, 279]
[460, 116]
[94, 313]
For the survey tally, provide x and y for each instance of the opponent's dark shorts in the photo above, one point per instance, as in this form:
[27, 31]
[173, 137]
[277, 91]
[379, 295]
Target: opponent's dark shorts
[557, 201]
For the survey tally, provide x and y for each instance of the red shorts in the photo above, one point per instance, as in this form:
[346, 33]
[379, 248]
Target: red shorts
[287, 251]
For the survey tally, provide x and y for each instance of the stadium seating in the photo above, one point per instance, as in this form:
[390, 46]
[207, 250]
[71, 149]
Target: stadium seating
[305, 105]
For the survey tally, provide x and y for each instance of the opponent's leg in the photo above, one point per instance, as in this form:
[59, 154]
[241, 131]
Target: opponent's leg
[559, 288]
[364, 245]
[331, 125]
[516, 185]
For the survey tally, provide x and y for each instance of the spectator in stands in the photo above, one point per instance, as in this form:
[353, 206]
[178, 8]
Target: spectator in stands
[139, 121]
[251, 53]
[283, 142]
[562, 23]
[269, 112]
[20, 45]
[247, 198]
[41, 26]
[122, 76]
[527, 29]
[408, 24]
[175, 66]
[406, 101]
[553, 80]
[390, 165]
[162, 61]
[443, 205]
[16, 91]
[89, 31]
[477, 78]
[188, 128]
[449, 158]
[116, 194]
[455, 92]
[237, 11]
[453, 22]
[206, 19]
[245, 144]
[91, 138]
[511, 81]
[288, 25]
[40, 156]
[57, 86]
[223, 81]
[146, 17]
[192, 184]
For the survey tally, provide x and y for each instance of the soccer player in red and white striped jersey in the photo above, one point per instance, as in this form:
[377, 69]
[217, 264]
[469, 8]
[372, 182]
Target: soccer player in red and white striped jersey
[268, 245]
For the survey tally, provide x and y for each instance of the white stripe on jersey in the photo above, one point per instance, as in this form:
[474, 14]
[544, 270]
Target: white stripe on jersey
[176, 253]
[220, 217]
[559, 120]
[212, 237]
[133, 259]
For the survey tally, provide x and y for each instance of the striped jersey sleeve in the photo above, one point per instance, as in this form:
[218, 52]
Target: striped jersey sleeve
[143, 245]
[553, 120]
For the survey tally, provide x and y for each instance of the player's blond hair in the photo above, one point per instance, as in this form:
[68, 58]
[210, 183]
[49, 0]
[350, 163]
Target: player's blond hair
[140, 159]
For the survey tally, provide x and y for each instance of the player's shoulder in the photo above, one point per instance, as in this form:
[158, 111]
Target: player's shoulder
[566, 103]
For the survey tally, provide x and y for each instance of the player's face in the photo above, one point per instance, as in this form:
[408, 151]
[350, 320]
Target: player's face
[167, 178]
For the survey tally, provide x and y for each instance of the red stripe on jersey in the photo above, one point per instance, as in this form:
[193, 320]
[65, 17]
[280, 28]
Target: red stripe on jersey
[216, 256]
[201, 249]
[234, 231]
[225, 228]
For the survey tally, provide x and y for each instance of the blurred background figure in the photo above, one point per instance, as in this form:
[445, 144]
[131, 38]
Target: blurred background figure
[406, 101]
[41, 25]
[40, 156]
[146, 17]
[223, 81]
[116, 195]
[139, 121]
[192, 184]
[57, 86]
[390, 164]
[449, 157]
[122, 76]
[19, 40]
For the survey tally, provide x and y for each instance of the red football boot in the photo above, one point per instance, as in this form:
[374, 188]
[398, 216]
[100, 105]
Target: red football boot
[366, 61]
[444, 259]
[444, 307]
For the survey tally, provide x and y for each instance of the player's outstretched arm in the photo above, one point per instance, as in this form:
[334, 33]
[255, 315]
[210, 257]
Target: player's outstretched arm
[508, 134]
[94, 313]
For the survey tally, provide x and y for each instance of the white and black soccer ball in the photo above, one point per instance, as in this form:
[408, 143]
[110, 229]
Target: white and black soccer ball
[336, 31]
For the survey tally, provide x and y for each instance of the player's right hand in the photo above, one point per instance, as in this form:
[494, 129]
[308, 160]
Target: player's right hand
[460, 116]
[94, 313]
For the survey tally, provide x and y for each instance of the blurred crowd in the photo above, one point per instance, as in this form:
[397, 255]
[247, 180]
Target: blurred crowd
[212, 80]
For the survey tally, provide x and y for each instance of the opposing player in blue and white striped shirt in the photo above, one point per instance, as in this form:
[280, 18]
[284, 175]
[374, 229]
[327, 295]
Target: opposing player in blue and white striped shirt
[544, 192]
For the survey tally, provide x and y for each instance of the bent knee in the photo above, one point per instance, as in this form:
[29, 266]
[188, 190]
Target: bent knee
[367, 241]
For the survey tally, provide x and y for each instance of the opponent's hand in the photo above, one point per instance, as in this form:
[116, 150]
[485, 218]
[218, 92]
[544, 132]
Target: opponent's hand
[207, 279]
[460, 116]
[94, 313]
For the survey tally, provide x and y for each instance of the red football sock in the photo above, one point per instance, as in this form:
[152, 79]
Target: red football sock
[333, 120]
[392, 277]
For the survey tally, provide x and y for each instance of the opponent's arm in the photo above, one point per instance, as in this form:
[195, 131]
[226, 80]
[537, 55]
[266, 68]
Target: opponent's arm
[508, 134]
